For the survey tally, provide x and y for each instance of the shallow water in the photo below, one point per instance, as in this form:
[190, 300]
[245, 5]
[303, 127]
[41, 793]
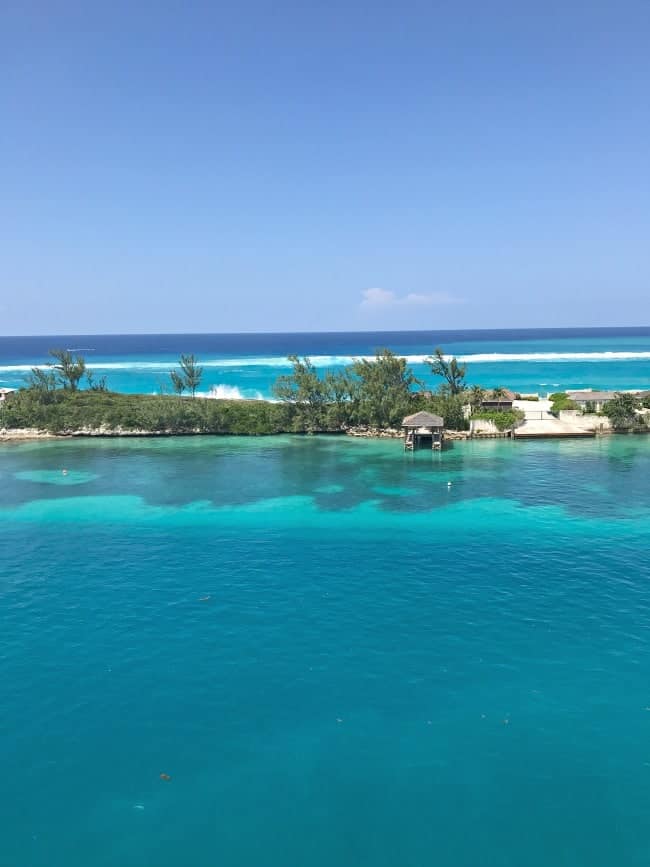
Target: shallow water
[337, 658]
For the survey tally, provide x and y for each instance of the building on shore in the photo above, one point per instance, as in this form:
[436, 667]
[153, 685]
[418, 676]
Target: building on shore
[499, 399]
[591, 400]
[423, 428]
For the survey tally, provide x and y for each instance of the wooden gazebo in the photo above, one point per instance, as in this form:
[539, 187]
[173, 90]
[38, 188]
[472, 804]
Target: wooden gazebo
[423, 427]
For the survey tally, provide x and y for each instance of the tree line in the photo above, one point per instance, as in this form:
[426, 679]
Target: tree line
[376, 392]
[68, 371]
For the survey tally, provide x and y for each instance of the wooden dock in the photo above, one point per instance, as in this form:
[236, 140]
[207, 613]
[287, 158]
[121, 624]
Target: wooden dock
[423, 427]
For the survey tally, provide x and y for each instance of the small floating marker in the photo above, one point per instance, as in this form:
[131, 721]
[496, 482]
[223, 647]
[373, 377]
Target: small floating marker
[205, 598]
[339, 720]
[138, 806]
[449, 484]
[165, 777]
[64, 472]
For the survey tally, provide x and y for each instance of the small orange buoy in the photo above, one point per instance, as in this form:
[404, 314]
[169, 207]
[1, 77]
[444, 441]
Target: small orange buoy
[165, 777]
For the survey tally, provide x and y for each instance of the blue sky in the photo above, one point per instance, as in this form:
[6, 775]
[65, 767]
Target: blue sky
[345, 165]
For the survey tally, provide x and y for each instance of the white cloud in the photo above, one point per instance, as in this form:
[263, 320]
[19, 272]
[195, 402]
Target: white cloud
[377, 298]
[381, 299]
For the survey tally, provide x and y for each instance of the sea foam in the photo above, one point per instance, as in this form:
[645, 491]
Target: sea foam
[339, 360]
[229, 392]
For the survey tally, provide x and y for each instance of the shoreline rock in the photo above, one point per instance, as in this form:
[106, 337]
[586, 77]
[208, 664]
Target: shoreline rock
[25, 433]
[374, 433]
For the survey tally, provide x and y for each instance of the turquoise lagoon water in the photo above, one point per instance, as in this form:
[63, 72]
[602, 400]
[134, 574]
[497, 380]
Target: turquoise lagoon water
[337, 658]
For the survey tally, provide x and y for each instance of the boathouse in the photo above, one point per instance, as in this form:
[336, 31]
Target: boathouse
[423, 428]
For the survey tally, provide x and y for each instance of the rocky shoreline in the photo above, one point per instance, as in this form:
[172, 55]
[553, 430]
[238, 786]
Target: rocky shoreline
[26, 434]
[393, 433]
[9, 435]
[19, 434]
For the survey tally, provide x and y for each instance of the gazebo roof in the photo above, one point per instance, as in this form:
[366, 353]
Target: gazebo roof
[423, 419]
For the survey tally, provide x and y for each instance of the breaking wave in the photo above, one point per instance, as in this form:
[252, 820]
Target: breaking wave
[339, 360]
[229, 392]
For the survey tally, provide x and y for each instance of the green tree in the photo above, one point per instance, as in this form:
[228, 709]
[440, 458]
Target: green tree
[383, 393]
[451, 371]
[622, 411]
[191, 372]
[451, 407]
[339, 389]
[69, 369]
[178, 382]
[43, 381]
[96, 385]
[304, 389]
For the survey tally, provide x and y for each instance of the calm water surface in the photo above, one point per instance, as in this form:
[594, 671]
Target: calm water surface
[385, 671]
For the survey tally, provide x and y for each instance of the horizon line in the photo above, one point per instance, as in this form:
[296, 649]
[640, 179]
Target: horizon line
[328, 332]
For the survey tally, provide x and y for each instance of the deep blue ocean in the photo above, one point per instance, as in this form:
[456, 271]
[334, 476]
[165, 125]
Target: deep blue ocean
[333, 656]
[246, 365]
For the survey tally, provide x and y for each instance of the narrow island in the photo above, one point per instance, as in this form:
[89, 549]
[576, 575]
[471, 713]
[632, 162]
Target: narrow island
[377, 397]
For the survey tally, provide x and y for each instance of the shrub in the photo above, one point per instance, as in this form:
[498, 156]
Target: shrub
[622, 412]
[66, 411]
[503, 419]
[561, 400]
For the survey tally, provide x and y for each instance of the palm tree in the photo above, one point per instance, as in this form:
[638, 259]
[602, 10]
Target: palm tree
[476, 397]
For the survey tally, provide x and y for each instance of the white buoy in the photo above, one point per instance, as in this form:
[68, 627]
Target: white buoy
[449, 484]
